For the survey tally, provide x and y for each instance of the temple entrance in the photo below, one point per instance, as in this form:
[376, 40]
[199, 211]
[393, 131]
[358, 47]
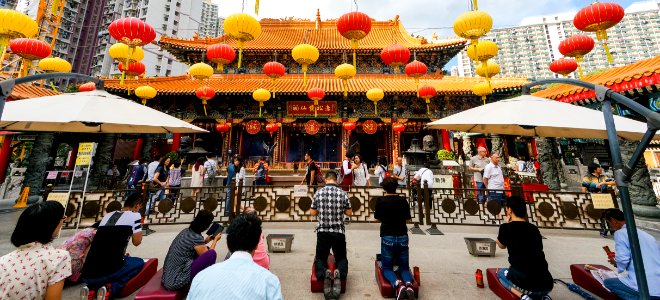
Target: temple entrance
[325, 146]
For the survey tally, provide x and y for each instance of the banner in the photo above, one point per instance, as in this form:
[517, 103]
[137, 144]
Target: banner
[306, 108]
[602, 201]
[300, 190]
[62, 198]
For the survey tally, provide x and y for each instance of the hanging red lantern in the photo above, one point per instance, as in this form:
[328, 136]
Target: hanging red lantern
[563, 66]
[29, 50]
[416, 69]
[220, 54]
[316, 95]
[274, 70]
[354, 26]
[395, 55]
[205, 93]
[272, 128]
[427, 92]
[134, 68]
[598, 17]
[87, 87]
[349, 126]
[222, 128]
[132, 31]
[398, 128]
[577, 47]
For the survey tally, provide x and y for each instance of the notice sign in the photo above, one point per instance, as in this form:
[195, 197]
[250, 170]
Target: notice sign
[278, 244]
[300, 190]
[85, 153]
[51, 175]
[483, 247]
[62, 198]
[443, 181]
[602, 201]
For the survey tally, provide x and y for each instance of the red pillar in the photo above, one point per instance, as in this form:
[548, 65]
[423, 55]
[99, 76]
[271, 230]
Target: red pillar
[446, 142]
[137, 153]
[176, 141]
[481, 142]
[5, 156]
[535, 151]
[72, 159]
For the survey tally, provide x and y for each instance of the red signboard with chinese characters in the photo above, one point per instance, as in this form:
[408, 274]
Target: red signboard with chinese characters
[369, 127]
[312, 127]
[253, 127]
[306, 108]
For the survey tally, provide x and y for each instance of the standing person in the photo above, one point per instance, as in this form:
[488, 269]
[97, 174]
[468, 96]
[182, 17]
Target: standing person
[232, 169]
[494, 179]
[478, 164]
[400, 172]
[42, 267]
[260, 171]
[240, 176]
[597, 182]
[625, 286]
[238, 277]
[347, 171]
[424, 175]
[311, 171]
[330, 204]
[113, 171]
[360, 172]
[393, 211]
[188, 253]
[381, 170]
[137, 174]
[197, 176]
[174, 179]
[160, 180]
[151, 168]
[528, 275]
[211, 167]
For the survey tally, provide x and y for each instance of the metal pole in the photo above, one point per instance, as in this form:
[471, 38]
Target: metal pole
[624, 193]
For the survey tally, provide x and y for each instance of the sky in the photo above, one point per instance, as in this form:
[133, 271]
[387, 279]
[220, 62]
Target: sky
[420, 17]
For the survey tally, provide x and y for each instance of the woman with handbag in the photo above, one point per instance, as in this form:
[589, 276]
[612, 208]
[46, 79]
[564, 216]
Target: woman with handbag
[360, 172]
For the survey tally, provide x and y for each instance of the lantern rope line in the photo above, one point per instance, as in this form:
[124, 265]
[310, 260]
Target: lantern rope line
[475, 5]
[256, 7]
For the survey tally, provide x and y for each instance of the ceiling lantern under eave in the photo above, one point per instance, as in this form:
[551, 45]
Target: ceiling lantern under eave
[316, 95]
[375, 95]
[14, 24]
[205, 93]
[272, 128]
[305, 55]
[577, 46]
[243, 28]
[349, 126]
[354, 26]
[598, 17]
[416, 69]
[427, 92]
[221, 55]
[395, 55]
[223, 128]
[345, 72]
[274, 70]
[563, 66]
[261, 96]
[29, 50]
[145, 93]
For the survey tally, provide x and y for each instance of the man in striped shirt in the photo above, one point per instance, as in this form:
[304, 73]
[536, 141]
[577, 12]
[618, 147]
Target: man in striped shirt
[238, 277]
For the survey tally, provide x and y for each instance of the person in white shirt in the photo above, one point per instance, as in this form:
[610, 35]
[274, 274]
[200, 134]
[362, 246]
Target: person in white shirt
[477, 164]
[400, 172]
[151, 168]
[424, 175]
[381, 170]
[494, 179]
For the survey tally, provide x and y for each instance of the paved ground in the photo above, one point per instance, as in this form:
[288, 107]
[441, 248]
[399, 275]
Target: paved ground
[447, 270]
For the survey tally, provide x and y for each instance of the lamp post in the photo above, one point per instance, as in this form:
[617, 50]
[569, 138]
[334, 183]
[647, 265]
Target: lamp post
[622, 172]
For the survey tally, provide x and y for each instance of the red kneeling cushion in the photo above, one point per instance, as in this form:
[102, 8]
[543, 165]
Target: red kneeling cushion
[316, 284]
[148, 271]
[585, 280]
[496, 286]
[154, 290]
[386, 289]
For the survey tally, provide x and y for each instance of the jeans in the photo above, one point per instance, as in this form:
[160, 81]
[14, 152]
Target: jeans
[622, 290]
[395, 249]
[260, 181]
[324, 242]
[481, 194]
[132, 266]
[228, 201]
[507, 284]
[153, 197]
[498, 197]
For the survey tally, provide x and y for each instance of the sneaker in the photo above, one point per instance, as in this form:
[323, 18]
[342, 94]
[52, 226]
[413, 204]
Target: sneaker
[327, 285]
[336, 287]
[603, 234]
[401, 292]
[86, 294]
[411, 293]
[525, 297]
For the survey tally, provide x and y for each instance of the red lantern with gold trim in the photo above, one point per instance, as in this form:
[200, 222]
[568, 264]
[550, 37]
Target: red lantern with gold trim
[134, 68]
[577, 47]
[274, 70]
[220, 54]
[427, 92]
[316, 95]
[349, 126]
[354, 26]
[598, 17]
[272, 128]
[416, 69]
[29, 50]
[222, 128]
[395, 55]
[87, 87]
[398, 128]
[563, 66]
[132, 31]
[205, 93]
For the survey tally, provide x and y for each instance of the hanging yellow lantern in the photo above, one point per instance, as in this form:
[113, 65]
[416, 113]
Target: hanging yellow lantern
[482, 89]
[305, 54]
[145, 93]
[54, 64]
[482, 51]
[261, 96]
[472, 25]
[243, 28]
[345, 72]
[375, 95]
[14, 24]
[488, 69]
[200, 71]
[120, 51]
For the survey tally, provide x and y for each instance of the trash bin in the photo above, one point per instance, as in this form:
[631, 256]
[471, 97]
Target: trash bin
[279, 242]
[480, 246]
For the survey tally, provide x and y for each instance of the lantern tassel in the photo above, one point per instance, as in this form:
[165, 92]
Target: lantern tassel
[144, 102]
[580, 70]
[205, 114]
[483, 98]
[354, 45]
[121, 80]
[256, 12]
[316, 104]
[345, 89]
[272, 86]
[610, 59]
[428, 109]
[417, 86]
[304, 69]
[260, 105]
[52, 85]
[354, 60]
[240, 53]
[376, 108]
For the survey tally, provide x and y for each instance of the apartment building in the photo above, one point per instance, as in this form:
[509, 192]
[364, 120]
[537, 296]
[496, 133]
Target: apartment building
[210, 23]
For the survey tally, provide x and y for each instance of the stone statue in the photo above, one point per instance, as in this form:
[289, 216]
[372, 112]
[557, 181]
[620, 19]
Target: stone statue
[428, 144]
[644, 201]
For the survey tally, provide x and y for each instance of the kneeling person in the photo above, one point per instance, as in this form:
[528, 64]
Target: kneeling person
[528, 275]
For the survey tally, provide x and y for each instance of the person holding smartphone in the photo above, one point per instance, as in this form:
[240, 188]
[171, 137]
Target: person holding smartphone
[188, 253]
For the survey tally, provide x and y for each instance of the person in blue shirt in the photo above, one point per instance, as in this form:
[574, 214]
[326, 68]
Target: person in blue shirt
[137, 174]
[232, 169]
[238, 277]
[626, 285]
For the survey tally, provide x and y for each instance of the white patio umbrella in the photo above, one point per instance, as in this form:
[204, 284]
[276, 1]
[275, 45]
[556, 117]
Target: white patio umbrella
[533, 116]
[94, 112]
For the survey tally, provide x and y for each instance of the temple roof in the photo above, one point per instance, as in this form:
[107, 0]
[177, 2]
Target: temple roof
[242, 84]
[284, 34]
[626, 79]
[26, 91]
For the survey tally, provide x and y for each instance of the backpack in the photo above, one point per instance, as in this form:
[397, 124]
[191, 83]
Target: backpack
[261, 171]
[210, 168]
[386, 172]
[320, 179]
